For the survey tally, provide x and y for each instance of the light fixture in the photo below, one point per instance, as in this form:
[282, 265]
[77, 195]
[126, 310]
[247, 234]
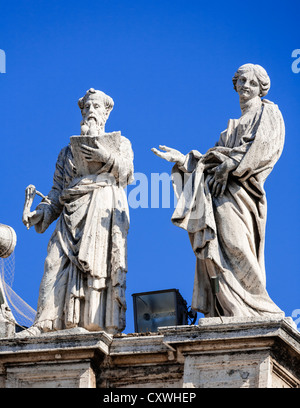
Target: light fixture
[159, 309]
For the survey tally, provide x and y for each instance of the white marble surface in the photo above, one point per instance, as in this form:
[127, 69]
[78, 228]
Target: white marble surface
[222, 203]
[84, 279]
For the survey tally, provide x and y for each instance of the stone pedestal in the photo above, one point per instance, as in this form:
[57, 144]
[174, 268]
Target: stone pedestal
[255, 353]
[247, 354]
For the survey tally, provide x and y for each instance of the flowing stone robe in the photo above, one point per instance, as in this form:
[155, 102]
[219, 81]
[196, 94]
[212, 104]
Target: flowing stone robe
[85, 270]
[228, 233]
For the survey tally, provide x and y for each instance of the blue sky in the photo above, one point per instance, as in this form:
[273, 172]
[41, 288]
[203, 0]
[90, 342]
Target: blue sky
[168, 66]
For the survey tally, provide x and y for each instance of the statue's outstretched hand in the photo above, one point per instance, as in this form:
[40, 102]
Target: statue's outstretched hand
[169, 154]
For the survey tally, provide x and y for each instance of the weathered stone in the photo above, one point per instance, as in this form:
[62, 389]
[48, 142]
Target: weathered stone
[252, 353]
[7, 323]
[222, 203]
[8, 240]
[84, 279]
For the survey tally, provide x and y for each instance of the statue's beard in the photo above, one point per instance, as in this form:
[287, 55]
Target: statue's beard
[92, 126]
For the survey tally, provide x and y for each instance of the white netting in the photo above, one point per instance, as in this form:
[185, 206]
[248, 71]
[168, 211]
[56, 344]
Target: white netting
[23, 313]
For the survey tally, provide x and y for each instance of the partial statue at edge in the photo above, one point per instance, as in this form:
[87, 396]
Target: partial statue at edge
[222, 203]
[84, 278]
[8, 240]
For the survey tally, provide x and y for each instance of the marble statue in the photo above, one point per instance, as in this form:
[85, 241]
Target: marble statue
[8, 240]
[222, 203]
[85, 270]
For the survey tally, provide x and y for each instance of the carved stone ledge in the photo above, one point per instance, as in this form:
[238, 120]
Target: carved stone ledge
[255, 353]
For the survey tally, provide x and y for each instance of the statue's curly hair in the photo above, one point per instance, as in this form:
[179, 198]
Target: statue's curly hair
[260, 73]
[107, 100]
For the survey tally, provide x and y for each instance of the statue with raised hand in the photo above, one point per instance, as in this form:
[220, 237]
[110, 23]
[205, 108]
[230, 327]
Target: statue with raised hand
[222, 203]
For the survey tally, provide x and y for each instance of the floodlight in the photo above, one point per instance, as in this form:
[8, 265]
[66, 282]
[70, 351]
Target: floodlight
[159, 309]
